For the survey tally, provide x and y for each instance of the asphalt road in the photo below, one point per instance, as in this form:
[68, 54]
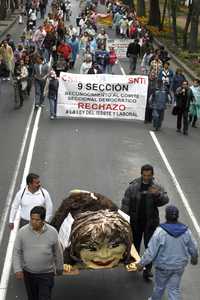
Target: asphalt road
[102, 156]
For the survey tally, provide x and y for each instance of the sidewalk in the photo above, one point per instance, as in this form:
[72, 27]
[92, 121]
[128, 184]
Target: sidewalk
[8, 23]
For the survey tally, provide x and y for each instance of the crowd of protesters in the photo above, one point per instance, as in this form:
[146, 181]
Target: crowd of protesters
[50, 44]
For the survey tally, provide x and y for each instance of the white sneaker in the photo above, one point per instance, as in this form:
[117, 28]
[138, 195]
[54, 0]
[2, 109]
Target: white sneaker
[52, 117]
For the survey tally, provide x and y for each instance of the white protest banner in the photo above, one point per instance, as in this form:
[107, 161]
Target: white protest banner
[120, 46]
[102, 96]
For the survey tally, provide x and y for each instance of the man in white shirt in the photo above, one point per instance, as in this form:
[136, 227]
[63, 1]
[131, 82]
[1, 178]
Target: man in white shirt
[27, 198]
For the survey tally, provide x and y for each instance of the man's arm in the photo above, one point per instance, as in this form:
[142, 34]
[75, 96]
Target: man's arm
[48, 205]
[58, 257]
[14, 209]
[193, 248]
[153, 247]
[160, 195]
[125, 206]
[17, 257]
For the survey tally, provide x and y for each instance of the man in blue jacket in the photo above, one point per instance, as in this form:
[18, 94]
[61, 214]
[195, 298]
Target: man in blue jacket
[169, 249]
[158, 101]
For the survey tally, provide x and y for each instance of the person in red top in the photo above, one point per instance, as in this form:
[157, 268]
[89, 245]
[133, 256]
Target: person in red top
[64, 49]
[112, 58]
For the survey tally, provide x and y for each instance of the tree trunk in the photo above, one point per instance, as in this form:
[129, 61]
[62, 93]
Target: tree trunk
[187, 24]
[174, 28]
[154, 13]
[193, 45]
[163, 16]
[141, 8]
[3, 9]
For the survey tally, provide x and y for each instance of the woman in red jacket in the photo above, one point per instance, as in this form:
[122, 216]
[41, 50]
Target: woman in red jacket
[112, 58]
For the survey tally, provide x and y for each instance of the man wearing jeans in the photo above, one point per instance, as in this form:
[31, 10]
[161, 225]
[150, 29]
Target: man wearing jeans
[170, 248]
[37, 256]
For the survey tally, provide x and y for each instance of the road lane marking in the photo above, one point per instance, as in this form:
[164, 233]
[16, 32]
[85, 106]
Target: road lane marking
[9, 197]
[176, 183]
[8, 259]
[121, 68]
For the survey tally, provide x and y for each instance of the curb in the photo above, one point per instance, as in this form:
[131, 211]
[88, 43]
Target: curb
[182, 65]
[9, 27]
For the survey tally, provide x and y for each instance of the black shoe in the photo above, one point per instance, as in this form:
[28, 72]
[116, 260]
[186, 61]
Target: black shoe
[147, 275]
[194, 126]
[178, 130]
[185, 132]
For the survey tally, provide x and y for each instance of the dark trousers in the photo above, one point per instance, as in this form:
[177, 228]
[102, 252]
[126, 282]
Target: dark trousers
[140, 232]
[39, 286]
[39, 91]
[182, 115]
[158, 116]
[133, 62]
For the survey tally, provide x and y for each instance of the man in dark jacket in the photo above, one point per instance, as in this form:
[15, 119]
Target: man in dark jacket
[52, 94]
[184, 97]
[141, 201]
[133, 51]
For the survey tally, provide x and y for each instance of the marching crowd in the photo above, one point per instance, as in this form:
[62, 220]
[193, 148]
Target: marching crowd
[45, 50]
[49, 45]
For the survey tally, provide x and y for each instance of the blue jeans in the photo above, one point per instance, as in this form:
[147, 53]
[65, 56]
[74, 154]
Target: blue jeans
[53, 105]
[170, 280]
[158, 116]
[39, 91]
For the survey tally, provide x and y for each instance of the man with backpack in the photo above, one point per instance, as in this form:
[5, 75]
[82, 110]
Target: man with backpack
[26, 198]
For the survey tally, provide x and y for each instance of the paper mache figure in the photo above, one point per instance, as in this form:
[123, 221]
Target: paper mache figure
[93, 232]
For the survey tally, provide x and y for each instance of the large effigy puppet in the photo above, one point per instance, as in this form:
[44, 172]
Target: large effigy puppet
[94, 233]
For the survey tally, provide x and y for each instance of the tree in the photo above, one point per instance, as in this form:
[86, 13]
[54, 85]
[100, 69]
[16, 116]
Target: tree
[174, 5]
[163, 15]
[154, 13]
[141, 8]
[187, 24]
[3, 9]
[193, 45]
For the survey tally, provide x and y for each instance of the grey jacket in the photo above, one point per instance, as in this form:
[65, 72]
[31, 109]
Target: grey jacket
[41, 71]
[37, 252]
[131, 201]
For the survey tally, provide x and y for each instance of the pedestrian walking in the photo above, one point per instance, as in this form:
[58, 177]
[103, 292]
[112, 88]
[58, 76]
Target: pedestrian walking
[86, 65]
[177, 81]
[184, 97]
[52, 94]
[37, 256]
[7, 55]
[169, 249]
[41, 72]
[133, 51]
[101, 58]
[151, 89]
[74, 44]
[21, 76]
[141, 201]
[194, 110]
[156, 65]
[112, 59]
[26, 198]
[158, 102]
